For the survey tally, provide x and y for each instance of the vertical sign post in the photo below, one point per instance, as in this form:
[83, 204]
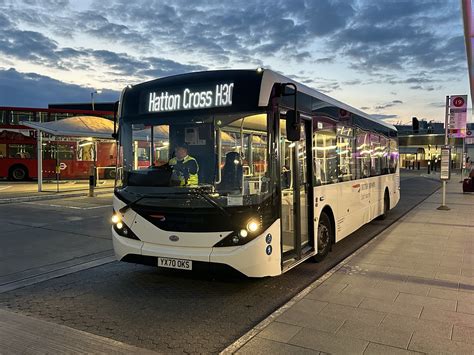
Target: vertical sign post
[39, 149]
[445, 154]
[445, 173]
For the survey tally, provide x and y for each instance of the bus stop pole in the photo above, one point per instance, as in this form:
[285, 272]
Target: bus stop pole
[39, 152]
[463, 159]
[57, 167]
[443, 203]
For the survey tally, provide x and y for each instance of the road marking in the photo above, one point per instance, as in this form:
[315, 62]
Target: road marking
[61, 271]
[5, 187]
[65, 206]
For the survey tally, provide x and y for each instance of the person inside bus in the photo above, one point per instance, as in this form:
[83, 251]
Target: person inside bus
[232, 172]
[185, 168]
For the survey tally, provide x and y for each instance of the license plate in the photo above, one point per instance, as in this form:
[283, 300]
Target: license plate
[175, 263]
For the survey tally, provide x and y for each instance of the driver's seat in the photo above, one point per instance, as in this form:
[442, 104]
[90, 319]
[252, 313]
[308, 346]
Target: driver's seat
[232, 172]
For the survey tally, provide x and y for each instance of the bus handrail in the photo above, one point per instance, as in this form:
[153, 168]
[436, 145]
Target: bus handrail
[219, 156]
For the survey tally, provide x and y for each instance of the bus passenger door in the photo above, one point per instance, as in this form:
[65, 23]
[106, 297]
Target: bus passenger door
[296, 194]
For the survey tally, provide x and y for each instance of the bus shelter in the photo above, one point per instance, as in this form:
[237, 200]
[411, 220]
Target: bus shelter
[71, 150]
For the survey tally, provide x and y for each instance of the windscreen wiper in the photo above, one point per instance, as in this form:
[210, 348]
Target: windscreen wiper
[210, 200]
[132, 203]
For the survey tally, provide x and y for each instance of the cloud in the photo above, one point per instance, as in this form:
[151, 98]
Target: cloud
[383, 117]
[325, 60]
[33, 90]
[37, 48]
[413, 44]
[320, 84]
[388, 104]
[437, 104]
[218, 32]
[422, 87]
[394, 35]
[353, 82]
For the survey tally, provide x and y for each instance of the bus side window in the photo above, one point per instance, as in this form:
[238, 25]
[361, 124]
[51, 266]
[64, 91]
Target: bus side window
[393, 161]
[3, 150]
[345, 143]
[325, 154]
[362, 155]
[22, 151]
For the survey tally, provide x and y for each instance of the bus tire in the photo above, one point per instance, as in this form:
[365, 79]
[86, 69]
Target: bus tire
[110, 174]
[325, 237]
[386, 205]
[18, 173]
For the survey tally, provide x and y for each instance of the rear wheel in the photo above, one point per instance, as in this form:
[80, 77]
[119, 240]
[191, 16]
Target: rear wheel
[18, 173]
[386, 206]
[324, 240]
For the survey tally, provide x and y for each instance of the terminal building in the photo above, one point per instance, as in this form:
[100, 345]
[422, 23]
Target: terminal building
[421, 142]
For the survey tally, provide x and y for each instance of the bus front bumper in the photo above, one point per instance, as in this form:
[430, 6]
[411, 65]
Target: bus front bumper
[251, 259]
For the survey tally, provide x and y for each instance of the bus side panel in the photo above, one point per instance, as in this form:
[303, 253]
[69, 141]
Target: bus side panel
[7, 163]
[376, 188]
[353, 216]
[326, 196]
[360, 201]
[395, 192]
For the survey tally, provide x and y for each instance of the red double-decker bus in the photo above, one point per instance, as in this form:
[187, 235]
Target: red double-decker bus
[18, 147]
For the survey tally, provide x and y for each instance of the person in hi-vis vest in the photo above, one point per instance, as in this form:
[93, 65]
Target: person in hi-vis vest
[185, 167]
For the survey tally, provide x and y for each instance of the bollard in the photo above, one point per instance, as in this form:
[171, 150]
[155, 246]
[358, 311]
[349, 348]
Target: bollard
[91, 181]
[91, 185]
[418, 165]
[429, 166]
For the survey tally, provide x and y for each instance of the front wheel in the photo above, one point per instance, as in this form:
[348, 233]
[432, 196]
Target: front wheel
[324, 240]
[18, 173]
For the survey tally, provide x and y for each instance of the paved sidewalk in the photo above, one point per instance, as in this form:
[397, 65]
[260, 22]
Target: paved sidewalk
[409, 290]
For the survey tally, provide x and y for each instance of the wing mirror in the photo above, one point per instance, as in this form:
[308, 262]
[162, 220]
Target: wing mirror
[293, 127]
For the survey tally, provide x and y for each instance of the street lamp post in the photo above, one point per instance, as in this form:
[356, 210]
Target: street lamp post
[92, 97]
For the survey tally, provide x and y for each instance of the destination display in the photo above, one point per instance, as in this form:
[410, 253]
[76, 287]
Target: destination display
[219, 95]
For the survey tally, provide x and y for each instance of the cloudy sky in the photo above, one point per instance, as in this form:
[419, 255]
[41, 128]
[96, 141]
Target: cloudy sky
[391, 58]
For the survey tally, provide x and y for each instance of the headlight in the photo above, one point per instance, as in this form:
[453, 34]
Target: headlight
[116, 218]
[123, 230]
[247, 230]
[253, 226]
[243, 233]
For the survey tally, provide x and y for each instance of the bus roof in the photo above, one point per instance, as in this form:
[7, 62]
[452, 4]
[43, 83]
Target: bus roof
[270, 78]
